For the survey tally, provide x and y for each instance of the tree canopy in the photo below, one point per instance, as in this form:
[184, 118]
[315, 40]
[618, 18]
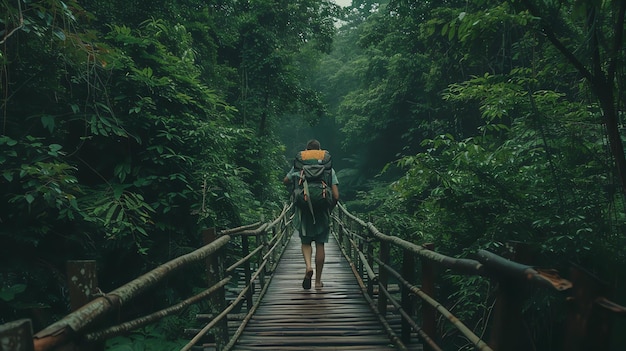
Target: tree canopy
[130, 126]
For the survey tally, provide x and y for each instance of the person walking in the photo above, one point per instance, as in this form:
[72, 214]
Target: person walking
[314, 225]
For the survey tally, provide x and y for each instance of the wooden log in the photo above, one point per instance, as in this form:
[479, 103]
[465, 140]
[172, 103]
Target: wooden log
[215, 268]
[383, 277]
[82, 282]
[588, 325]
[87, 316]
[17, 336]
[428, 287]
[408, 262]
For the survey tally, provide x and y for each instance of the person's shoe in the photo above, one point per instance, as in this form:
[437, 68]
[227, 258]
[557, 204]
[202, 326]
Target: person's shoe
[319, 286]
[306, 282]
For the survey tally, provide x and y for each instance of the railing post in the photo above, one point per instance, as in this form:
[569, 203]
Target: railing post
[370, 261]
[361, 246]
[507, 324]
[215, 269]
[276, 252]
[352, 250]
[429, 322]
[286, 233]
[82, 283]
[245, 248]
[340, 233]
[383, 277]
[17, 336]
[408, 272]
[588, 325]
[344, 237]
[347, 245]
[507, 317]
[261, 239]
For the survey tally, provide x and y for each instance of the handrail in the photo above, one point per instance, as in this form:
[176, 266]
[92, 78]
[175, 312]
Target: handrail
[282, 216]
[78, 321]
[460, 265]
[243, 260]
[83, 323]
[232, 231]
[463, 265]
[509, 276]
[473, 338]
[140, 322]
[357, 240]
[374, 279]
[265, 261]
[501, 267]
[392, 335]
[222, 314]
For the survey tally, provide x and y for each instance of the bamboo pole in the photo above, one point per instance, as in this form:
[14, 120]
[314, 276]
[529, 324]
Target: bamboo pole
[473, 338]
[233, 231]
[460, 265]
[407, 318]
[224, 313]
[65, 329]
[501, 267]
[392, 335]
[145, 320]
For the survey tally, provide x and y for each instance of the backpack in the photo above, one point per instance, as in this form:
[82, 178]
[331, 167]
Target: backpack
[313, 186]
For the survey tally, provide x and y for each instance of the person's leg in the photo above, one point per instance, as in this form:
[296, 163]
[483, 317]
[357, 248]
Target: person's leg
[307, 252]
[320, 257]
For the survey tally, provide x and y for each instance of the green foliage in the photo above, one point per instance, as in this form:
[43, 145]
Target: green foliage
[472, 296]
[126, 132]
[146, 339]
[37, 178]
[7, 294]
[500, 141]
[114, 147]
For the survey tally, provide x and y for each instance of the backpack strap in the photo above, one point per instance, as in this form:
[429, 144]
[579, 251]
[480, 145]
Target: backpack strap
[307, 196]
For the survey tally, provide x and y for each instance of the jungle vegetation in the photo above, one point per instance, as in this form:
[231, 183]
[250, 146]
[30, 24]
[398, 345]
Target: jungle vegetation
[127, 127]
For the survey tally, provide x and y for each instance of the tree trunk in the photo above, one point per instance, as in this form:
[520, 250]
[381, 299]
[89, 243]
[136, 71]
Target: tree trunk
[601, 75]
[607, 104]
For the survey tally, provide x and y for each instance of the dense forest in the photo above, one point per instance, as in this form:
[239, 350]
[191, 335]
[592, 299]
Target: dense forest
[129, 126]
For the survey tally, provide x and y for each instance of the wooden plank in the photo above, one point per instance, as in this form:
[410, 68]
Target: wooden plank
[337, 317]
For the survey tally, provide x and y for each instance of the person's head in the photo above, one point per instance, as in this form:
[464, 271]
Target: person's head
[313, 145]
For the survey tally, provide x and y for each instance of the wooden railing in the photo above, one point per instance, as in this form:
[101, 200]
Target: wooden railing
[377, 260]
[588, 321]
[94, 320]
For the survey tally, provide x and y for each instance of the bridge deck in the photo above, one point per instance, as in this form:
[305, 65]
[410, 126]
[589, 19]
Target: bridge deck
[336, 317]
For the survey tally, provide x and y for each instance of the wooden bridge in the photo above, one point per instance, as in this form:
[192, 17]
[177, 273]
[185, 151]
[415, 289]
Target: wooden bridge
[379, 294]
[336, 317]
